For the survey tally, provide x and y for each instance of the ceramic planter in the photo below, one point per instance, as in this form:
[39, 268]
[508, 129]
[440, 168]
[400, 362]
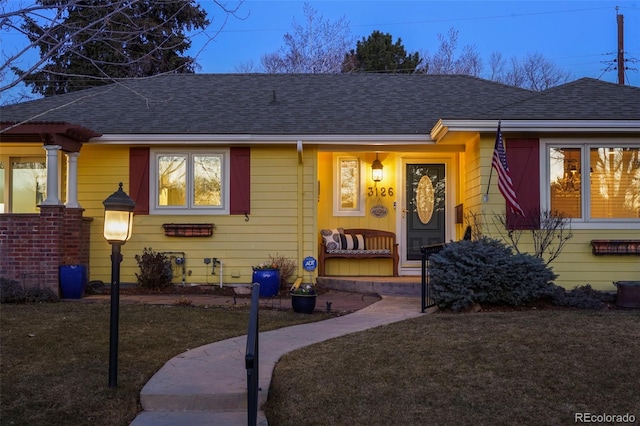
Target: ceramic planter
[269, 280]
[303, 303]
[628, 294]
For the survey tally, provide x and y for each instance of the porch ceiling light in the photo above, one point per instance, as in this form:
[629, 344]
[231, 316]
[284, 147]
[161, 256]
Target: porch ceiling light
[118, 217]
[376, 170]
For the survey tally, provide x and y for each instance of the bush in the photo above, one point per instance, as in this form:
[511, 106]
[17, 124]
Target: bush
[287, 267]
[582, 297]
[486, 271]
[155, 269]
[11, 291]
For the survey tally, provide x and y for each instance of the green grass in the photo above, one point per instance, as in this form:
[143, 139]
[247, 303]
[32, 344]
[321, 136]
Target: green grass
[499, 368]
[54, 358]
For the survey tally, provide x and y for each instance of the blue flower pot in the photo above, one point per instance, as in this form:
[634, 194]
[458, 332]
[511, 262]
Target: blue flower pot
[269, 280]
[73, 281]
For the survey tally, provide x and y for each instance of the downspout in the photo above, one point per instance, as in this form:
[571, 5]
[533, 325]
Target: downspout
[300, 197]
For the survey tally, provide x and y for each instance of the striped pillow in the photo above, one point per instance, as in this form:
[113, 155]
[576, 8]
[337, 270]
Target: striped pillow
[352, 242]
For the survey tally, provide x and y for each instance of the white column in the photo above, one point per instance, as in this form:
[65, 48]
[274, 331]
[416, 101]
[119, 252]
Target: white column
[72, 180]
[53, 198]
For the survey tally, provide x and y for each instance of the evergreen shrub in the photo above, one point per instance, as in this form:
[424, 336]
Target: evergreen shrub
[582, 297]
[11, 291]
[486, 271]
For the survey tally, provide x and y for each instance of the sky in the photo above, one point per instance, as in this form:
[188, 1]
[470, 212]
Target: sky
[578, 36]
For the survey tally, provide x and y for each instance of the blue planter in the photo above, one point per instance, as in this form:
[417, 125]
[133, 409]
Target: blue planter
[73, 281]
[269, 280]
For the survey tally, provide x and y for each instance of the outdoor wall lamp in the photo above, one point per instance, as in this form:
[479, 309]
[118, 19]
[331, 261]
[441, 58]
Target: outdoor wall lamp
[118, 223]
[376, 170]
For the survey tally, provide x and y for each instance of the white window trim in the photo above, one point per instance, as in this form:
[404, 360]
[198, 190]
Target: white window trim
[584, 144]
[359, 209]
[155, 209]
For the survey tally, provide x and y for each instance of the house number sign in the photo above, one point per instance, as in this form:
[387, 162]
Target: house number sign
[380, 192]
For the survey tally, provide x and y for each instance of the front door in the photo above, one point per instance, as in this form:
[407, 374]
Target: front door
[424, 207]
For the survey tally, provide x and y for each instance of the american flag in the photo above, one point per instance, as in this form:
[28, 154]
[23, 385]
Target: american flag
[505, 185]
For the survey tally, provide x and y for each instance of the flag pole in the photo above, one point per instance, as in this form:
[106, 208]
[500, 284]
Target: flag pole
[486, 195]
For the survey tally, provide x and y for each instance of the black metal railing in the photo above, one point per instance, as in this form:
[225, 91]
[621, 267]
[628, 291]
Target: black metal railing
[252, 357]
[427, 251]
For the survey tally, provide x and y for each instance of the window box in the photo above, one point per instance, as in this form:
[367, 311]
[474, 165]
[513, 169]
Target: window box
[616, 246]
[188, 229]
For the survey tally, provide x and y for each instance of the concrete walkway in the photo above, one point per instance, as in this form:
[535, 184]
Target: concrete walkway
[207, 385]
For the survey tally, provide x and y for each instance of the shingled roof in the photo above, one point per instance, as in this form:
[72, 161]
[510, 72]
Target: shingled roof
[584, 99]
[272, 104]
[313, 104]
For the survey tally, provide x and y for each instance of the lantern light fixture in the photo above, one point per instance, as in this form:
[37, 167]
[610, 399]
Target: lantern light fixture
[376, 170]
[118, 223]
[118, 216]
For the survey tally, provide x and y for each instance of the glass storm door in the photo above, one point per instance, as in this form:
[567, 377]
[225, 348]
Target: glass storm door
[425, 207]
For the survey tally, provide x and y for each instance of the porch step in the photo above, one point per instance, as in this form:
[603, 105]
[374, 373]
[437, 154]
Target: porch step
[384, 286]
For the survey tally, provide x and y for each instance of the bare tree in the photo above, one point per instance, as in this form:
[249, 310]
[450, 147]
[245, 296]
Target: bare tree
[550, 232]
[41, 23]
[444, 61]
[246, 67]
[318, 47]
[533, 72]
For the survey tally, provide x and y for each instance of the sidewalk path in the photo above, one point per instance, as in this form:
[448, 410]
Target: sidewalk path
[207, 385]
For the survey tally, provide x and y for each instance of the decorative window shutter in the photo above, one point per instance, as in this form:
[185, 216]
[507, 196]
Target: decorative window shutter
[523, 158]
[240, 173]
[139, 179]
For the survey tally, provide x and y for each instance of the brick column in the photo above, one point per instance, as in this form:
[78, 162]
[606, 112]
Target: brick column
[50, 252]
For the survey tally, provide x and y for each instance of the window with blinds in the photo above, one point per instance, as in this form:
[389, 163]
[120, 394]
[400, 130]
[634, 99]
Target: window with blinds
[594, 182]
[614, 177]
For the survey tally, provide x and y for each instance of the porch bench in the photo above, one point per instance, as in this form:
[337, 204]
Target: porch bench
[377, 244]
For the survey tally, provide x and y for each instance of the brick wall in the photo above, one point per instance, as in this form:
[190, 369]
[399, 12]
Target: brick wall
[33, 246]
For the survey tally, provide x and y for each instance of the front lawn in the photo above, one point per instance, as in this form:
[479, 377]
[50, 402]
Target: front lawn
[491, 368]
[54, 357]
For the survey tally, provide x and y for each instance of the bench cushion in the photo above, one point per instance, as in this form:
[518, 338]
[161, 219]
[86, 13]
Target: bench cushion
[356, 252]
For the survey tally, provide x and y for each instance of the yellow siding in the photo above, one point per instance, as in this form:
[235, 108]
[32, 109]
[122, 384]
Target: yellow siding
[272, 227]
[287, 212]
[576, 265]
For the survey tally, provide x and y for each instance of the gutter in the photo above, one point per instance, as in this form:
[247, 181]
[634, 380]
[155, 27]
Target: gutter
[196, 139]
[443, 126]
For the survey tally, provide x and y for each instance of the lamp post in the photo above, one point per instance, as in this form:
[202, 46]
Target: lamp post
[118, 221]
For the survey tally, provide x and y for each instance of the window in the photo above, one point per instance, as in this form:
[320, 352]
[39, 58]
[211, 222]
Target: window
[190, 183]
[349, 190]
[24, 185]
[595, 182]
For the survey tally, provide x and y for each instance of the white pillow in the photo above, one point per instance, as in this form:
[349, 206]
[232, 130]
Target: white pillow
[331, 238]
